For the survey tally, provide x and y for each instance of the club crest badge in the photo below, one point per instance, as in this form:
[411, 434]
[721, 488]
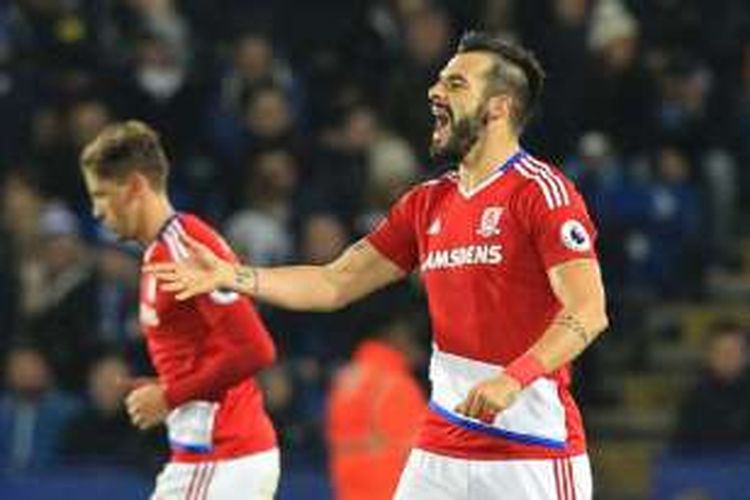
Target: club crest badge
[489, 224]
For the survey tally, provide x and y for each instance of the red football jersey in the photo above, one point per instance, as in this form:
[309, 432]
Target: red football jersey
[206, 351]
[483, 256]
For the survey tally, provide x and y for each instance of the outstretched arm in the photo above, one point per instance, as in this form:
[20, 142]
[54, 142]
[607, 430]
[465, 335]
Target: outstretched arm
[358, 271]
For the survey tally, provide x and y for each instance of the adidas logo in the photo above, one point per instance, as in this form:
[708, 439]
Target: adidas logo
[434, 228]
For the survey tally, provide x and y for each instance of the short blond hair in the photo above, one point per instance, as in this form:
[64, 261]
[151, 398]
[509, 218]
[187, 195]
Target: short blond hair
[126, 147]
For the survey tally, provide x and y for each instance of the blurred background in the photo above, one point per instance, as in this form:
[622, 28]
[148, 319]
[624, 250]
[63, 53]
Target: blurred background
[292, 125]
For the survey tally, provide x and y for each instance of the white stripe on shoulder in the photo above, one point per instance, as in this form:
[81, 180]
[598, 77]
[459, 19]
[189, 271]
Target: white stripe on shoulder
[543, 186]
[178, 241]
[176, 224]
[448, 176]
[169, 240]
[430, 182]
[178, 230]
[554, 176]
[176, 248]
[149, 252]
[559, 198]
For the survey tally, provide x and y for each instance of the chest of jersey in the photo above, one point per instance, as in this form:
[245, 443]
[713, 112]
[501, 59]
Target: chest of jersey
[148, 312]
[160, 313]
[471, 233]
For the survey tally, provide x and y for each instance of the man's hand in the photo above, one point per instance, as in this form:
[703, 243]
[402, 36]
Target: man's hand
[147, 406]
[489, 398]
[201, 272]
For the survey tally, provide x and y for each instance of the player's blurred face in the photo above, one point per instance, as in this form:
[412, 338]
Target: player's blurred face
[458, 105]
[112, 203]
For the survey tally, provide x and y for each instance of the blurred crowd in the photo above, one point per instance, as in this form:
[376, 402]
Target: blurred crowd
[292, 126]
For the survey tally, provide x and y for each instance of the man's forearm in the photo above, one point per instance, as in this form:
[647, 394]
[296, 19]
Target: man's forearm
[214, 376]
[568, 335]
[291, 287]
[360, 270]
[241, 347]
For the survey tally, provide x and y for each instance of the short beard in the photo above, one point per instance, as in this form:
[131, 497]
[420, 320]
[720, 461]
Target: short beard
[464, 135]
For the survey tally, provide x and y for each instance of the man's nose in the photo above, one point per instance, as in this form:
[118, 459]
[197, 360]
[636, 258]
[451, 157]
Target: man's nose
[432, 92]
[436, 94]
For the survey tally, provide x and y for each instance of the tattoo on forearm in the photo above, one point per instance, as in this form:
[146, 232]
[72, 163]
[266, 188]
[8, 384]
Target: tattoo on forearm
[247, 279]
[572, 323]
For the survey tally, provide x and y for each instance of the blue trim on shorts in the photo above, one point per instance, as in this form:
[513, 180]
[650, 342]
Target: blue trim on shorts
[477, 426]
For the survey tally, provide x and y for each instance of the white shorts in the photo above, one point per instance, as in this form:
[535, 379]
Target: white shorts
[252, 477]
[428, 476]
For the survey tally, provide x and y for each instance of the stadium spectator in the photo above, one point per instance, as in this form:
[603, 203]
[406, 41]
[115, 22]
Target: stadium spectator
[59, 313]
[375, 406]
[294, 388]
[427, 37]
[620, 91]
[101, 434]
[673, 228]
[715, 411]
[261, 228]
[33, 413]
[560, 41]
[307, 335]
[115, 298]
[22, 205]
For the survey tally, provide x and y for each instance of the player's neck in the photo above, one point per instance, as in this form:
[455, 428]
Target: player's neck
[156, 213]
[484, 158]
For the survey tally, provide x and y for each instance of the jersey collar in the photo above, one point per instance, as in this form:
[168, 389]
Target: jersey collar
[499, 171]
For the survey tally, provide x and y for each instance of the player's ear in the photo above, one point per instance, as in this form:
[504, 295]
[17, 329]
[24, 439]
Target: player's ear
[136, 185]
[499, 107]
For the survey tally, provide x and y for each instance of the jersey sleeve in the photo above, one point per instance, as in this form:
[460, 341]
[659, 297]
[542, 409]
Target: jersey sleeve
[557, 220]
[239, 343]
[395, 236]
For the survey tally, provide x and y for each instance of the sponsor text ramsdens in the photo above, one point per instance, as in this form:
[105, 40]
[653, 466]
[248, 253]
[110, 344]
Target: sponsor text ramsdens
[468, 255]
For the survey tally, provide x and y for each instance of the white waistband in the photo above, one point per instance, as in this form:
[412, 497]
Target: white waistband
[536, 417]
[191, 425]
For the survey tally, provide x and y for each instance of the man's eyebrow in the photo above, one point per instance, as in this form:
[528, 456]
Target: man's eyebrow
[453, 78]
